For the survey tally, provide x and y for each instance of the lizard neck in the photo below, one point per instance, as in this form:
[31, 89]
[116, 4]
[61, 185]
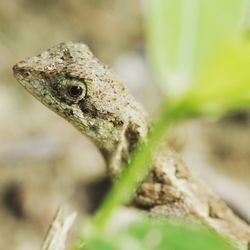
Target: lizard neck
[131, 135]
[115, 135]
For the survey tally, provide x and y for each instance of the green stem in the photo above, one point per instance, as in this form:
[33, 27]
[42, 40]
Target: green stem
[133, 174]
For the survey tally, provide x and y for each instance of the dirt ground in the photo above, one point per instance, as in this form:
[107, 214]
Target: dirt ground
[43, 160]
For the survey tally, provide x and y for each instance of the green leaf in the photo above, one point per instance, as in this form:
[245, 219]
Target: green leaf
[183, 34]
[225, 84]
[157, 235]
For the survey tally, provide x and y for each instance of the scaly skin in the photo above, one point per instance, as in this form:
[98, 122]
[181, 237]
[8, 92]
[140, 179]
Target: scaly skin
[69, 80]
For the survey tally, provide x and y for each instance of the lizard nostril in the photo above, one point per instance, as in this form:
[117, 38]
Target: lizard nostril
[20, 70]
[26, 73]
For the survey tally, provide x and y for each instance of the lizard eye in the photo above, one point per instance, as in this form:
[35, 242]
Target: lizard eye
[68, 90]
[74, 91]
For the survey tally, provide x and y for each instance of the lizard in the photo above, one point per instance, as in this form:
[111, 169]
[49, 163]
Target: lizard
[73, 83]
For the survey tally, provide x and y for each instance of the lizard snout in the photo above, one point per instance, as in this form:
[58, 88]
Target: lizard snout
[19, 69]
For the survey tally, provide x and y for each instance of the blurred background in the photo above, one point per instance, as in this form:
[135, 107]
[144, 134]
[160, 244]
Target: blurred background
[43, 160]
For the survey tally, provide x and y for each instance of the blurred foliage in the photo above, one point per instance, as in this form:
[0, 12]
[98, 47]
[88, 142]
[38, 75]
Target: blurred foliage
[156, 235]
[225, 84]
[182, 36]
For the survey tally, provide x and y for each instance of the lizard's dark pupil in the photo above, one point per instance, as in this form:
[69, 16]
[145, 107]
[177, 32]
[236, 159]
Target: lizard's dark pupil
[75, 91]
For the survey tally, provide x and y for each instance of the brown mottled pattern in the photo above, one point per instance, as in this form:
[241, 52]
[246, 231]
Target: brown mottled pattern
[106, 112]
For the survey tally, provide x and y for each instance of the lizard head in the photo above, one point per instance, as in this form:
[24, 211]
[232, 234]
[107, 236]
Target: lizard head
[70, 81]
[63, 77]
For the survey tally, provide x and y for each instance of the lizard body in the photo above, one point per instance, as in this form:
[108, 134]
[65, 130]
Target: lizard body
[70, 81]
